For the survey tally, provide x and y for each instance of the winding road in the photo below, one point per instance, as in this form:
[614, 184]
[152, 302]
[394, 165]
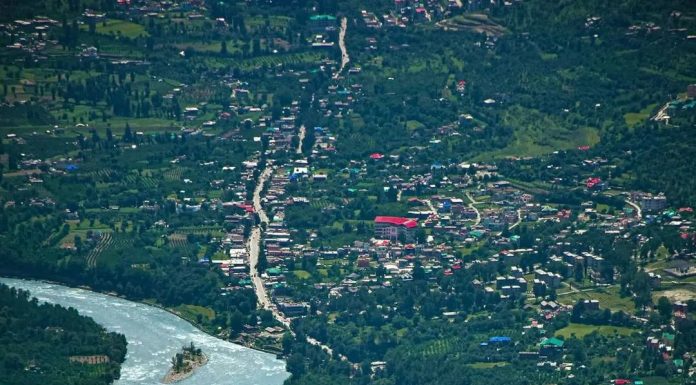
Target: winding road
[639, 211]
[471, 205]
[342, 45]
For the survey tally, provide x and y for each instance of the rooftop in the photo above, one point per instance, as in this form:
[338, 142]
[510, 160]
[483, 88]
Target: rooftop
[397, 221]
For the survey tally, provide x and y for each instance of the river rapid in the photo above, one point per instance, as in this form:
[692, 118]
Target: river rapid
[154, 336]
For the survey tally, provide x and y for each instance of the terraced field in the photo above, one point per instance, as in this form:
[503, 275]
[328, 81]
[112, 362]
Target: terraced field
[144, 181]
[173, 174]
[179, 241]
[321, 204]
[104, 242]
[215, 231]
[474, 22]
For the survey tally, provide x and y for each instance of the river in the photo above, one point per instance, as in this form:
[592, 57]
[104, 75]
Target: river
[154, 336]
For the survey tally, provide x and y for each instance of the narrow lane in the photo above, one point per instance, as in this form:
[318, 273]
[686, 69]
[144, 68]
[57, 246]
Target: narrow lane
[519, 219]
[471, 205]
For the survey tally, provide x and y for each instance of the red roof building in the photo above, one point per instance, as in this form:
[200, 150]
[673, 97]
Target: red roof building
[246, 207]
[592, 183]
[395, 228]
[397, 221]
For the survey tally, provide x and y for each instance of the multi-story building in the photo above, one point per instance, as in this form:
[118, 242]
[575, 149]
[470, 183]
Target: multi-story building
[395, 228]
[653, 202]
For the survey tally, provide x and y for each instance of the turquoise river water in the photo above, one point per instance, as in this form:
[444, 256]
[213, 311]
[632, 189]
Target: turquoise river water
[154, 336]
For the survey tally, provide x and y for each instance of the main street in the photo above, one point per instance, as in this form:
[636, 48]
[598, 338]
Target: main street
[254, 246]
[342, 45]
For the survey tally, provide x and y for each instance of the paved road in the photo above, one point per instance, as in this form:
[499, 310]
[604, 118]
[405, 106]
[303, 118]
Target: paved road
[342, 44]
[471, 205]
[323, 347]
[254, 247]
[519, 219]
[265, 174]
[662, 113]
[639, 211]
[430, 206]
[303, 132]
[574, 290]
[473, 201]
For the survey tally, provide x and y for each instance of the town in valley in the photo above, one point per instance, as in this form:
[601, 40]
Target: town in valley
[387, 192]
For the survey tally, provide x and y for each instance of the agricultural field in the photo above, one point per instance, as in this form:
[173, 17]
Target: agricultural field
[634, 118]
[117, 28]
[270, 61]
[581, 330]
[488, 365]
[193, 312]
[608, 298]
[537, 134]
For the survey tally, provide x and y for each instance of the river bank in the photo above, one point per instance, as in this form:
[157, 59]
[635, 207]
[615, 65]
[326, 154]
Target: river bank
[155, 335]
[5, 274]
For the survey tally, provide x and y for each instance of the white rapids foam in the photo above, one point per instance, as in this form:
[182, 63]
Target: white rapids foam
[154, 336]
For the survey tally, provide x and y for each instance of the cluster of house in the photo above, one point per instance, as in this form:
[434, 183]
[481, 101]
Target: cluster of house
[661, 343]
[393, 246]
[370, 19]
[407, 12]
[156, 8]
[233, 256]
[414, 11]
[29, 35]
[403, 13]
[394, 249]
[322, 28]
[518, 281]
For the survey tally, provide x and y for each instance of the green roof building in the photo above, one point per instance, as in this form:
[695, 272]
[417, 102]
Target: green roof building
[668, 338]
[552, 342]
[322, 18]
[321, 23]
